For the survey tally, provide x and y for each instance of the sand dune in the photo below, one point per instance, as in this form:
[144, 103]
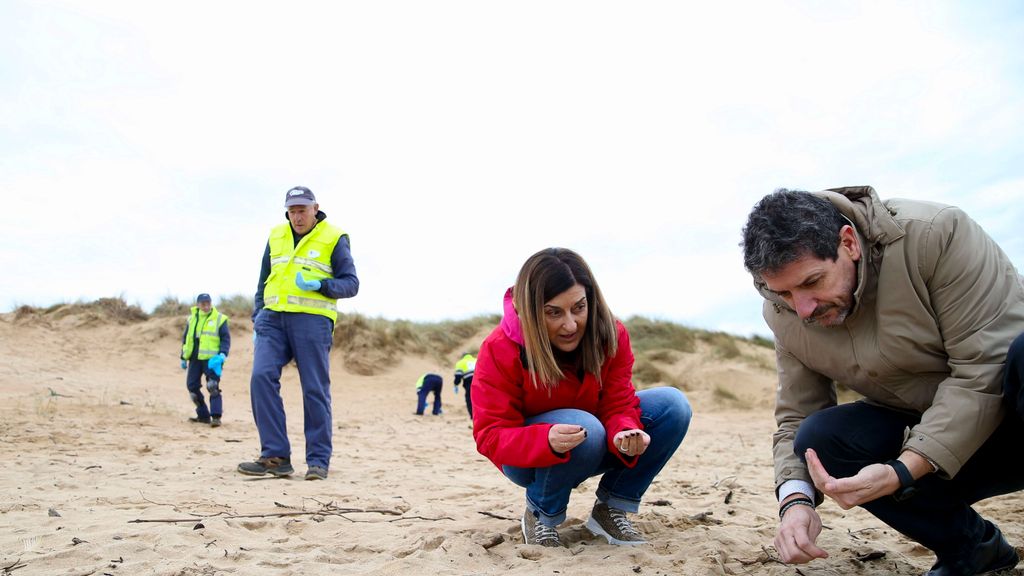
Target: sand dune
[104, 475]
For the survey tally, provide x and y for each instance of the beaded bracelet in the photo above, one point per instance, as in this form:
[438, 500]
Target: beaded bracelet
[795, 502]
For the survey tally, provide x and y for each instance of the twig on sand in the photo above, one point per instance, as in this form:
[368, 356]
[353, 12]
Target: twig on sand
[12, 567]
[57, 394]
[498, 516]
[325, 510]
[705, 518]
[416, 518]
[730, 479]
[765, 557]
[493, 541]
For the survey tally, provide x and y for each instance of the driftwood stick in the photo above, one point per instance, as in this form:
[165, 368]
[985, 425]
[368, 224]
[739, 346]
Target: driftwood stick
[321, 512]
[498, 516]
[12, 567]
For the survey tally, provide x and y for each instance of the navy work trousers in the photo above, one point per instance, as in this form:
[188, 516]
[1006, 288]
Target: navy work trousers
[193, 381]
[280, 338]
[939, 516]
[429, 385]
[467, 385]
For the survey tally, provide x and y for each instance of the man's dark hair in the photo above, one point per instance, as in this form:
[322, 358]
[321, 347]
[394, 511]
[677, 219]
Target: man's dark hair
[787, 225]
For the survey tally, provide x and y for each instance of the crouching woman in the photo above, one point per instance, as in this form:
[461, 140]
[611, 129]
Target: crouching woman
[554, 403]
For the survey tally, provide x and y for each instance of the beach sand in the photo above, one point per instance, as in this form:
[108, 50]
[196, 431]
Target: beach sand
[103, 474]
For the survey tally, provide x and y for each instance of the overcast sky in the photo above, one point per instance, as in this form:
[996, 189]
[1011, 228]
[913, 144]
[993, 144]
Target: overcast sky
[145, 150]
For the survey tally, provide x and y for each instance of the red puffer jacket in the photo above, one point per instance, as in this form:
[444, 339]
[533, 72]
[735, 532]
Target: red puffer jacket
[504, 396]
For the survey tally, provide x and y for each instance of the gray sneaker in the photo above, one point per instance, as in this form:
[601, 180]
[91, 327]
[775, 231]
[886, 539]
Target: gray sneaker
[316, 473]
[534, 532]
[262, 466]
[613, 525]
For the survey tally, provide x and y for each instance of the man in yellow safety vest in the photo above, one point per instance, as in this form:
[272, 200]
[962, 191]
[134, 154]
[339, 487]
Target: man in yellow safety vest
[307, 266]
[204, 347]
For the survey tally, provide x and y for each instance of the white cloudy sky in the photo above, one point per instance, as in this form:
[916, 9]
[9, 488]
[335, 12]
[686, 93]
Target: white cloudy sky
[145, 150]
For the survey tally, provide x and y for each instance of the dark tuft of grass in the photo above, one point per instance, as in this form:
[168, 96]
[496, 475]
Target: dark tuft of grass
[170, 306]
[236, 307]
[103, 309]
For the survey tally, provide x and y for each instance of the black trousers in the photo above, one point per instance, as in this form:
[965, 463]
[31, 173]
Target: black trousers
[940, 517]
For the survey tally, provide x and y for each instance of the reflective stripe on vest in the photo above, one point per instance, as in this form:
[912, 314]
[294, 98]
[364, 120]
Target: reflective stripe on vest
[311, 257]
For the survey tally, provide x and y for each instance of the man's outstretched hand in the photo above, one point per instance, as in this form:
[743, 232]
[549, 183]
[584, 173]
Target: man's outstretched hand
[870, 483]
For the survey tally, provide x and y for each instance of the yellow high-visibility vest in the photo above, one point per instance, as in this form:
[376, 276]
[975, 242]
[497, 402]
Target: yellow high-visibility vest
[209, 333]
[465, 366]
[312, 257]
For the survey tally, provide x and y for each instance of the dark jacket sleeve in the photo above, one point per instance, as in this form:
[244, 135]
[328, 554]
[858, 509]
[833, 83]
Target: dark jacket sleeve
[345, 283]
[225, 338]
[257, 301]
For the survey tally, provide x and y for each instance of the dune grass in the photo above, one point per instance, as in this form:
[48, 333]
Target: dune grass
[372, 345]
[104, 309]
[236, 306]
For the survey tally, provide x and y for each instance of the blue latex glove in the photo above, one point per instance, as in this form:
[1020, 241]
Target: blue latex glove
[311, 285]
[184, 364]
[216, 364]
[456, 388]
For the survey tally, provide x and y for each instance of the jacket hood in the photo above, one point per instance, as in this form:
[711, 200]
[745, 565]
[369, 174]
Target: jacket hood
[510, 324]
[861, 205]
[875, 227]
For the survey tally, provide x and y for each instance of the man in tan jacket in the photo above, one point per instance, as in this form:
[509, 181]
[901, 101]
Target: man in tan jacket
[914, 306]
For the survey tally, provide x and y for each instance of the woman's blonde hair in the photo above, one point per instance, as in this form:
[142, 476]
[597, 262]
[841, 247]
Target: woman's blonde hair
[545, 275]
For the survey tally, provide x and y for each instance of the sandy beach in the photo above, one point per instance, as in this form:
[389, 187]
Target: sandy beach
[105, 475]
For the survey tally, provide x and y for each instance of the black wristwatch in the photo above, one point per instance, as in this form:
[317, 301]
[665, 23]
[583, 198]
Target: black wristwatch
[906, 489]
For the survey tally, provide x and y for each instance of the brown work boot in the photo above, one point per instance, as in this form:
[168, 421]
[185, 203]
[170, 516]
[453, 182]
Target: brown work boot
[262, 466]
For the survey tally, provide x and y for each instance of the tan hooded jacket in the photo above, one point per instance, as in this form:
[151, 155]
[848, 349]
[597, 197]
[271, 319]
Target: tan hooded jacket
[937, 305]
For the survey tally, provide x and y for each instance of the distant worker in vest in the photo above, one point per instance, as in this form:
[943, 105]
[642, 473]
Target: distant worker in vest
[204, 347]
[428, 383]
[307, 266]
[464, 375]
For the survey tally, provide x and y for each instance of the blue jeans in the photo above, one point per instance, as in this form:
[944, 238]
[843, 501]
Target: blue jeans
[280, 338]
[665, 415]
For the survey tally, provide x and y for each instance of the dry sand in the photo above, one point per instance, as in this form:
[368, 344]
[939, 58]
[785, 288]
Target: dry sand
[103, 474]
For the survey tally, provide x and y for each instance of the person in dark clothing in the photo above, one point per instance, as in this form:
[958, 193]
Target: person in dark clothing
[428, 383]
[464, 369]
